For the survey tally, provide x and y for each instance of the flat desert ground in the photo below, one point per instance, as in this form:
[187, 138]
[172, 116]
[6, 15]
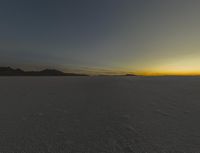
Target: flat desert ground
[99, 114]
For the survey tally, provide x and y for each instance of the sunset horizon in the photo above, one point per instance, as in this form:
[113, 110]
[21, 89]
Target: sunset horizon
[99, 71]
[99, 76]
[143, 37]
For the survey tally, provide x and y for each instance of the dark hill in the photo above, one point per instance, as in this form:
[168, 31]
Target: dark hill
[130, 75]
[8, 71]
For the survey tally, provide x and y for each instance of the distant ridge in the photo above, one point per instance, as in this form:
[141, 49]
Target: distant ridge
[8, 71]
[130, 75]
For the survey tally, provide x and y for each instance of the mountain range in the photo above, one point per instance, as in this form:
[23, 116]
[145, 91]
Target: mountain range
[8, 71]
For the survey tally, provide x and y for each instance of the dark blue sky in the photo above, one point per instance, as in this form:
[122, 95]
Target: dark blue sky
[99, 35]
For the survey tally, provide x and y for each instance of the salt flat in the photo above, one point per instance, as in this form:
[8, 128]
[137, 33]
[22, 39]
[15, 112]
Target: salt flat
[99, 114]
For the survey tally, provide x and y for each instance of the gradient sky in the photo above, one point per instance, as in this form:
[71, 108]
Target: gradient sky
[96, 36]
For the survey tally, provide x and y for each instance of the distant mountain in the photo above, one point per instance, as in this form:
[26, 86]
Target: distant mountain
[8, 71]
[130, 75]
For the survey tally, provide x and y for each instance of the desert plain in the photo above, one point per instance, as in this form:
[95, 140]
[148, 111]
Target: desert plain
[99, 114]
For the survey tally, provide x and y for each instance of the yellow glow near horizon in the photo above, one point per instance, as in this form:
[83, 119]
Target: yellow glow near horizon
[188, 65]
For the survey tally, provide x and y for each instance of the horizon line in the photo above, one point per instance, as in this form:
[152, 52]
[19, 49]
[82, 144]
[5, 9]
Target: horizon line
[118, 73]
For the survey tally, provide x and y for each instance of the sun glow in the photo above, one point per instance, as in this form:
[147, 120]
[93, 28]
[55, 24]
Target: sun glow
[188, 65]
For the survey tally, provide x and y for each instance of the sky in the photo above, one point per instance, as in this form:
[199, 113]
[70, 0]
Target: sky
[101, 36]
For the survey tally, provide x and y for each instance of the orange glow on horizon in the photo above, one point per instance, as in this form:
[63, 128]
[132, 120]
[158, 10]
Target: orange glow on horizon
[168, 74]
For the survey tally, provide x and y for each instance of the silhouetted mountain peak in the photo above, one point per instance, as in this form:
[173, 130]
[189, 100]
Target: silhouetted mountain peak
[5, 69]
[51, 71]
[130, 75]
[8, 71]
